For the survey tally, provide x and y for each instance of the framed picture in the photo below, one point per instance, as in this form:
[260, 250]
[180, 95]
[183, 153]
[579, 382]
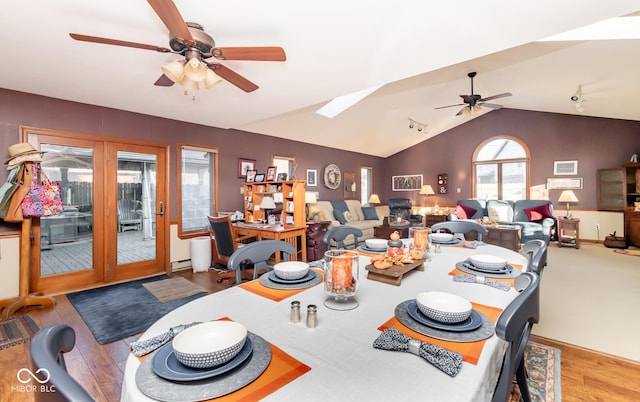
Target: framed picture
[282, 176]
[564, 183]
[565, 168]
[406, 182]
[244, 165]
[250, 176]
[349, 186]
[312, 177]
[271, 173]
[259, 177]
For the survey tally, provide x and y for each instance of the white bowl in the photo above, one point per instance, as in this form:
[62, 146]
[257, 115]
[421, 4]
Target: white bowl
[209, 344]
[291, 270]
[488, 261]
[376, 244]
[441, 237]
[444, 307]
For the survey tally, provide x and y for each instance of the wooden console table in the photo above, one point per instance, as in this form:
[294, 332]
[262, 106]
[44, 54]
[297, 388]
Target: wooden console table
[507, 236]
[296, 236]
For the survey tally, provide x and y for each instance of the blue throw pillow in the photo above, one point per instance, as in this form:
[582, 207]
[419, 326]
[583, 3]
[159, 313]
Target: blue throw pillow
[339, 215]
[370, 213]
[339, 206]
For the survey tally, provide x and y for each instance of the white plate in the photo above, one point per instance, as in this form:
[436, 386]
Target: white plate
[488, 261]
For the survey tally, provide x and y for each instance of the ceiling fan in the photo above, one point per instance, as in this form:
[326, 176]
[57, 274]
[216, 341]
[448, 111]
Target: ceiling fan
[189, 40]
[472, 103]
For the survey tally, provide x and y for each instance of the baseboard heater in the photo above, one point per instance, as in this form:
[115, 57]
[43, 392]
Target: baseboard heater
[180, 265]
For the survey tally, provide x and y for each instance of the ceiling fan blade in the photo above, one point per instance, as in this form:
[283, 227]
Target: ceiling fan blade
[491, 105]
[170, 16]
[504, 95]
[163, 81]
[233, 77]
[443, 107]
[108, 41]
[461, 112]
[272, 53]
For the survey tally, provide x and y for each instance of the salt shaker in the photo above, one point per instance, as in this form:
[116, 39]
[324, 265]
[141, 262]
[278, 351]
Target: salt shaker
[295, 312]
[312, 318]
[437, 249]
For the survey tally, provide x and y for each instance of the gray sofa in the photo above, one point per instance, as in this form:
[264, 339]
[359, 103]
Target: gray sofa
[535, 217]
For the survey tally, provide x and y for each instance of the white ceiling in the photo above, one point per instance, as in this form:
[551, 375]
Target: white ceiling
[419, 51]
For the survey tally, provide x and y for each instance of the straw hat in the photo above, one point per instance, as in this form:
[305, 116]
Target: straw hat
[22, 152]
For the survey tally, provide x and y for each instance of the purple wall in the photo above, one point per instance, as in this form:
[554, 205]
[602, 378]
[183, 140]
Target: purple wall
[595, 143]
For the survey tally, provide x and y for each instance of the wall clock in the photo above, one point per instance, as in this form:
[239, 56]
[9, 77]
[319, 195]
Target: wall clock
[332, 176]
[442, 183]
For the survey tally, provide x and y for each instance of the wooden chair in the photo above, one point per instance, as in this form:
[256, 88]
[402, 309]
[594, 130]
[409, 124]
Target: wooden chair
[258, 253]
[537, 252]
[47, 349]
[460, 228]
[129, 215]
[338, 234]
[514, 326]
[225, 241]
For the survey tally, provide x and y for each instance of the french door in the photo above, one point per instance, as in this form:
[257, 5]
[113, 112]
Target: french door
[113, 224]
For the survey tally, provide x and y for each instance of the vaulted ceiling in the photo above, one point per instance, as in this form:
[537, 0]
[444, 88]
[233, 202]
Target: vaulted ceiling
[418, 53]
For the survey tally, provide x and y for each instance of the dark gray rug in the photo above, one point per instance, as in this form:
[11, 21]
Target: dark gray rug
[118, 311]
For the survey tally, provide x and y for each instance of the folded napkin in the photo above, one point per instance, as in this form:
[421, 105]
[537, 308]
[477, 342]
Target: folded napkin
[141, 348]
[443, 359]
[483, 280]
[471, 244]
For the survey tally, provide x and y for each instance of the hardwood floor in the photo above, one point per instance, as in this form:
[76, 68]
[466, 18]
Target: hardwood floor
[586, 375]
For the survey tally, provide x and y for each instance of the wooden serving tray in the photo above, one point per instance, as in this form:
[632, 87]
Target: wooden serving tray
[394, 274]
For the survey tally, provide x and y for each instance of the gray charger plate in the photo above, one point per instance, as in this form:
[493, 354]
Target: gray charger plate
[485, 331]
[366, 249]
[267, 282]
[453, 242]
[160, 389]
[512, 273]
[471, 323]
[306, 278]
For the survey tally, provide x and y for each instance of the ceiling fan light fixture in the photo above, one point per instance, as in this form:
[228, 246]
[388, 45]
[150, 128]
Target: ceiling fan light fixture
[189, 84]
[195, 70]
[174, 71]
[211, 79]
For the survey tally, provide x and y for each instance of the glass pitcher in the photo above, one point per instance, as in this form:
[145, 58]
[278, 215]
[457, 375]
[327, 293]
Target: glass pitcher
[341, 279]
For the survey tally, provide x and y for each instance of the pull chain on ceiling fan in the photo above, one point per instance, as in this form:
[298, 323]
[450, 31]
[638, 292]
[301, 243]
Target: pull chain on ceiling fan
[196, 46]
[473, 103]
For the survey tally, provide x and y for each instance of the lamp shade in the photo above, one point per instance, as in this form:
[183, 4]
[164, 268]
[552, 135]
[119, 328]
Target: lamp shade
[427, 190]
[195, 70]
[374, 199]
[174, 71]
[267, 203]
[211, 79]
[568, 196]
[310, 197]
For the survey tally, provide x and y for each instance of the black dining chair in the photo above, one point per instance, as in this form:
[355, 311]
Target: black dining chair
[258, 253]
[47, 352]
[536, 251]
[337, 235]
[514, 326]
[460, 228]
[226, 242]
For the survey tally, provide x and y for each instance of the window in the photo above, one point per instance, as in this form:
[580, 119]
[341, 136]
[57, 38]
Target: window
[197, 181]
[366, 174]
[286, 165]
[501, 170]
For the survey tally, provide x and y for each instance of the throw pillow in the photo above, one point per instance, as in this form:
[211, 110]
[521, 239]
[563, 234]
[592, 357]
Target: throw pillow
[538, 213]
[464, 212]
[339, 215]
[498, 213]
[370, 213]
[348, 217]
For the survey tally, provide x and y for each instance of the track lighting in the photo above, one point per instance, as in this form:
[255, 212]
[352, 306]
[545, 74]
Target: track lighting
[577, 99]
[417, 125]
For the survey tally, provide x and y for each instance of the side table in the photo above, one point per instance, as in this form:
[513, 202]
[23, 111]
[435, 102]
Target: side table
[384, 231]
[507, 236]
[569, 232]
[432, 219]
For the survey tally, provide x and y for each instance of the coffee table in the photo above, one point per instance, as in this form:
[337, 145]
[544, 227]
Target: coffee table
[384, 231]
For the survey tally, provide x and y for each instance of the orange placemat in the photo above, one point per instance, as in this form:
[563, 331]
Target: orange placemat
[470, 351]
[282, 369]
[274, 294]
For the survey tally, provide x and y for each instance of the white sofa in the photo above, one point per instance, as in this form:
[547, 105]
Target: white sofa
[325, 210]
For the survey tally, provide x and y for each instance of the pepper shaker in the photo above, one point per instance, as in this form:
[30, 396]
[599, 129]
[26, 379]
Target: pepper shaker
[312, 318]
[295, 312]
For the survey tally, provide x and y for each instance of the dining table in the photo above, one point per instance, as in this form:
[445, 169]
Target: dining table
[336, 360]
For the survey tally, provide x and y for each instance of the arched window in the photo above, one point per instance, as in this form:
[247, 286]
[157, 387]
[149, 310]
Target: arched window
[501, 169]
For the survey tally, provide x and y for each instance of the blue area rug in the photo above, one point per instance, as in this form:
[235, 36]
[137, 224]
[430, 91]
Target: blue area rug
[118, 311]
[543, 366]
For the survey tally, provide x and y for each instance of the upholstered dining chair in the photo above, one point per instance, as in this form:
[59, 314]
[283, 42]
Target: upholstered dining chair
[536, 251]
[258, 253]
[338, 234]
[514, 326]
[460, 228]
[226, 241]
[47, 352]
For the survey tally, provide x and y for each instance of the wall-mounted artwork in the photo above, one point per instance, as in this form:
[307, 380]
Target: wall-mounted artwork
[565, 168]
[350, 186]
[244, 165]
[406, 182]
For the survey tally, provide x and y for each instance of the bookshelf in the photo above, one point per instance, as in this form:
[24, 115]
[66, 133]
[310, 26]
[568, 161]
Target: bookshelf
[288, 196]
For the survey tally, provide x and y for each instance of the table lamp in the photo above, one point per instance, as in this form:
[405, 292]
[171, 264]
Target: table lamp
[428, 191]
[310, 197]
[568, 196]
[374, 199]
[267, 204]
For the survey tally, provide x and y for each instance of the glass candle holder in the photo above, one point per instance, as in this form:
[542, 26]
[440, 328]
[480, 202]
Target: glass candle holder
[341, 279]
[421, 239]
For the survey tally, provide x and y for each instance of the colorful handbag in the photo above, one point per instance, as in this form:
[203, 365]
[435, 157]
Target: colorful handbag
[44, 197]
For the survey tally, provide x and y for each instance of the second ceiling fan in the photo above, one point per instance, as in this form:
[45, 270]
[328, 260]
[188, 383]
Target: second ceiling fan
[472, 103]
[189, 40]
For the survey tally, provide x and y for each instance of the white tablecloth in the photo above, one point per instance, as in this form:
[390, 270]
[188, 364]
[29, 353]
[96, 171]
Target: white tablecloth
[344, 364]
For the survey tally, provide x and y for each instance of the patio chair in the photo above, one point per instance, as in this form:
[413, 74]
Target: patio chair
[258, 253]
[537, 253]
[460, 228]
[338, 234]
[129, 215]
[225, 241]
[514, 326]
[47, 349]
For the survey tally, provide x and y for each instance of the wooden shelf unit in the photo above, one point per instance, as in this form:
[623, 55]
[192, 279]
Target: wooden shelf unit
[292, 205]
[618, 190]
